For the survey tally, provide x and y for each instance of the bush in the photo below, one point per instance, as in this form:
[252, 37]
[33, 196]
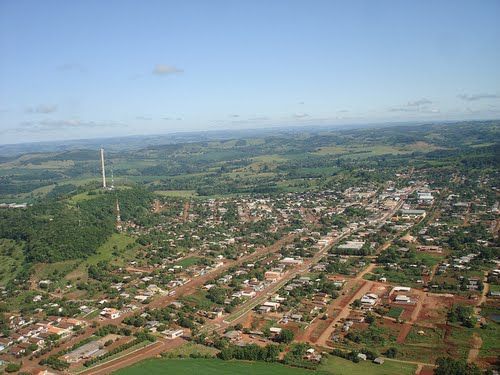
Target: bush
[13, 367]
[391, 353]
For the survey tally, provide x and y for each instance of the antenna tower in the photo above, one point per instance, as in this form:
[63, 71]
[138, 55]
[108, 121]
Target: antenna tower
[118, 218]
[103, 170]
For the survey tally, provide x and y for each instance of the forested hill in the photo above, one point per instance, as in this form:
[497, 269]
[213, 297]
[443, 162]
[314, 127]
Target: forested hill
[56, 231]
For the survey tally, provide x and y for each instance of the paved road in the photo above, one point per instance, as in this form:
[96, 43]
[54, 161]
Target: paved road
[149, 351]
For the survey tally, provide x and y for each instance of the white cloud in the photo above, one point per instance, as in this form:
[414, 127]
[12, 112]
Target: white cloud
[417, 106]
[163, 70]
[71, 67]
[419, 102]
[472, 98]
[48, 125]
[43, 108]
[300, 115]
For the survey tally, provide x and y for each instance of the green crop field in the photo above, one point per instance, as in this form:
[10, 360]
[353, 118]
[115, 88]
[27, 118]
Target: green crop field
[334, 365]
[211, 367]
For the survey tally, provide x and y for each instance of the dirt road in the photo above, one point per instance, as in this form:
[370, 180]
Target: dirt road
[344, 313]
[186, 212]
[477, 342]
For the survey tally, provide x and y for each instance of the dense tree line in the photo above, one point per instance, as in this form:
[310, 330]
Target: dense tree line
[140, 337]
[250, 352]
[56, 231]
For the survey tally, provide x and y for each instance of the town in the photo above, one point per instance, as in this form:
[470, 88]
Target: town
[373, 272]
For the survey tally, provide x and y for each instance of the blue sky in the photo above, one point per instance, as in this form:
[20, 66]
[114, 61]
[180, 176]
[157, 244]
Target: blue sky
[85, 69]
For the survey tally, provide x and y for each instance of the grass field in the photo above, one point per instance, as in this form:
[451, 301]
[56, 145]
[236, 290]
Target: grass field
[334, 365]
[199, 298]
[340, 366]
[402, 277]
[395, 312]
[176, 193]
[460, 340]
[429, 337]
[192, 348]
[361, 151]
[211, 367]
[494, 288]
[105, 253]
[188, 262]
[51, 270]
[82, 197]
[11, 258]
[429, 259]
[490, 336]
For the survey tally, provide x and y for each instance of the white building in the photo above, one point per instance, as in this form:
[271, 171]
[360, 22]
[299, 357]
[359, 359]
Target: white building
[172, 334]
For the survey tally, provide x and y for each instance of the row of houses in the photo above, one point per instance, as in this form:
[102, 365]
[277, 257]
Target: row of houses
[35, 335]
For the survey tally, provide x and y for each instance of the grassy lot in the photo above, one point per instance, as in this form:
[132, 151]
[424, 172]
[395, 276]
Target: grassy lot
[429, 259]
[331, 150]
[192, 348]
[432, 336]
[404, 277]
[211, 367]
[105, 253]
[188, 262]
[199, 298]
[11, 258]
[424, 347]
[42, 190]
[83, 197]
[435, 342]
[395, 312]
[340, 366]
[48, 270]
[494, 287]
[490, 336]
[19, 301]
[460, 342]
[176, 193]
[270, 158]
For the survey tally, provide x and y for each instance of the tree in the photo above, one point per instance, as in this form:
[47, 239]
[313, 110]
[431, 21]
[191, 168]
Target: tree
[450, 366]
[462, 314]
[13, 367]
[391, 353]
[286, 336]
[370, 318]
